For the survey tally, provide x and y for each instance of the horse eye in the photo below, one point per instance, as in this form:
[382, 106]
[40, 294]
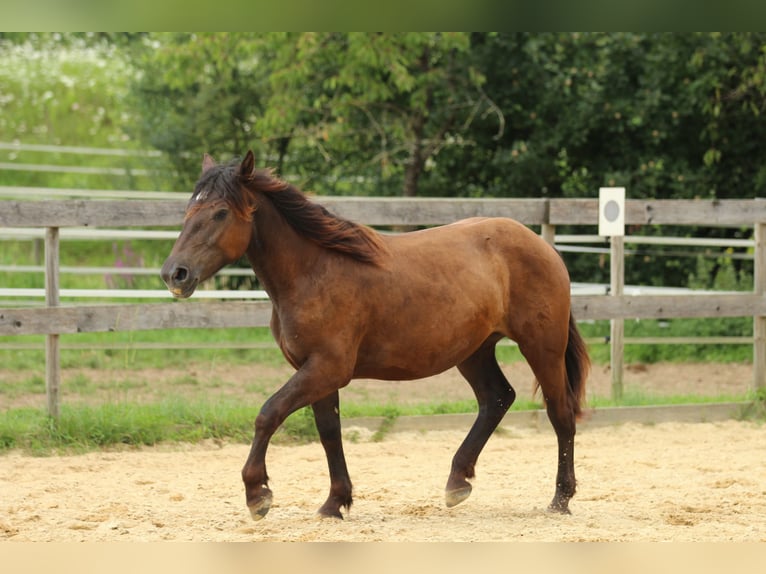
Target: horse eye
[221, 214]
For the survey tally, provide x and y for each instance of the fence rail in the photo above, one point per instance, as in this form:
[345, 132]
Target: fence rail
[16, 192]
[398, 211]
[55, 215]
[78, 150]
[199, 314]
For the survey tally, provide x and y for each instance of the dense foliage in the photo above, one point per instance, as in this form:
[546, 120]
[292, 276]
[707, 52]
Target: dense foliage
[666, 115]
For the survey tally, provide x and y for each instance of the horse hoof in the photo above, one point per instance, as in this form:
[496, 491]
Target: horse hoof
[458, 495]
[559, 508]
[329, 515]
[261, 507]
[329, 510]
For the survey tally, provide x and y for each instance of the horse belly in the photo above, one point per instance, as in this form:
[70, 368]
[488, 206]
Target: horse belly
[417, 343]
[403, 367]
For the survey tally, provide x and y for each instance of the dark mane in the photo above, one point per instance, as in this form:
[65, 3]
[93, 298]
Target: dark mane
[308, 218]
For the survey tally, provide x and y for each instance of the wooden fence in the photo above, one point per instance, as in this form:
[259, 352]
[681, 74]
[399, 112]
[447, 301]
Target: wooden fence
[55, 319]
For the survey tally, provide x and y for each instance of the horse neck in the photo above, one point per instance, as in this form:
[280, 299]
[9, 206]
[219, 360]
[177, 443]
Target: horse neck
[279, 254]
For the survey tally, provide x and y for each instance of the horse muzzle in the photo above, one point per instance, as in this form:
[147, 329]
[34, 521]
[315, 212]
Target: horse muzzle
[180, 281]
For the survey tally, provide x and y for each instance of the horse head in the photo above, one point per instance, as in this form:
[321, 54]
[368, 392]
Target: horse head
[217, 226]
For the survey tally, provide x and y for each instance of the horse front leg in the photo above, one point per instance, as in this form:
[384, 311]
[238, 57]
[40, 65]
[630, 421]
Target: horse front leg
[327, 418]
[257, 493]
[311, 383]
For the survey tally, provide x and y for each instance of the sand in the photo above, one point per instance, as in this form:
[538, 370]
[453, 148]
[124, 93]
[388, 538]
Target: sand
[665, 482]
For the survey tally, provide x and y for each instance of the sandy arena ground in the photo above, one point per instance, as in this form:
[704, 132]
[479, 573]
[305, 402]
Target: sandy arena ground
[667, 482]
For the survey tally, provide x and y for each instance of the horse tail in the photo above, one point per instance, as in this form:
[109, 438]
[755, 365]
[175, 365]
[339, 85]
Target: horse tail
[577, 364]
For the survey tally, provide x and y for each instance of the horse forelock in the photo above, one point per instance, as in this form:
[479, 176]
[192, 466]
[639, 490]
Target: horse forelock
[221, 182]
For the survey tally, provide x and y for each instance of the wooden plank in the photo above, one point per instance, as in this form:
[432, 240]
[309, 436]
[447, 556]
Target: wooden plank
[722, 340]
[548, 232]
[617, 326]
[148, 316]
[367, 210]
[222, 314]
[433, 211]
[725, 212]
[81, 169]
[160, 346]
[79, 150]
[135, 293]
[393, 211]
[595, 307]
[759, 320]
[52, 352]
[49, 193]
[52, 266]
[91, 213]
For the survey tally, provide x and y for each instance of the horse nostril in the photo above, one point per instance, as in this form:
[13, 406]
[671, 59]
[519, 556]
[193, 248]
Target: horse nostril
[180, 274]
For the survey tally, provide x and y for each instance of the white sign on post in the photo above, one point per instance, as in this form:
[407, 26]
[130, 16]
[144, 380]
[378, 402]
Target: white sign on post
[611, 211]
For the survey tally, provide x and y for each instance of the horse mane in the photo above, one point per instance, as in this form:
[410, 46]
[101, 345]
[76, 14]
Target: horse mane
[308, 218]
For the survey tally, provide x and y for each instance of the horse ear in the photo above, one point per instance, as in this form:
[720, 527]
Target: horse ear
[248, 165]
[207, 163]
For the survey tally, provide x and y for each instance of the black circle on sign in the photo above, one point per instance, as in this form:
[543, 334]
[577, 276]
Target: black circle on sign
[611, 210]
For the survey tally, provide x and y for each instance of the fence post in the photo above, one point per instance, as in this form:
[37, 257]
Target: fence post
[548, 232]
[759, 322]
[52, 352]
[617, 326]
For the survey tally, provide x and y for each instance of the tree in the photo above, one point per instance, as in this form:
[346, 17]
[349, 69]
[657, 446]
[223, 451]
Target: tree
[382, 105]
[197, 93]
[665, 115]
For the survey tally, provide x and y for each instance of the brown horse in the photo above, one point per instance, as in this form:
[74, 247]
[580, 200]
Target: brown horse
[351, 303]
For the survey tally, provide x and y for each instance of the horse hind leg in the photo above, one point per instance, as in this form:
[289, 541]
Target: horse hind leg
[550, 371]
[495, 396]
[327, 418]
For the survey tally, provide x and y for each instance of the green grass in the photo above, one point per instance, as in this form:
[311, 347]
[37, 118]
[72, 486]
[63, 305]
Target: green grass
[756, 407]
[82, 428]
